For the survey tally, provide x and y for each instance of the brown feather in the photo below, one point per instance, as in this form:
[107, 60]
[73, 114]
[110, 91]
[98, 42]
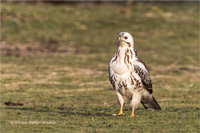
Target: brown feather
[144, 75]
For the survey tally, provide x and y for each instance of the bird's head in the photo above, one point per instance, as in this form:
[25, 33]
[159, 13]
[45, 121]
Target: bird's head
[125, 39]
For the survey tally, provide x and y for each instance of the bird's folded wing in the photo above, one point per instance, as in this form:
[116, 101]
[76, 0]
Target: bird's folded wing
[141, 69]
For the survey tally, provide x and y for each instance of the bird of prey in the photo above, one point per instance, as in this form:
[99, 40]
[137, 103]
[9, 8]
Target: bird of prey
[130, 77]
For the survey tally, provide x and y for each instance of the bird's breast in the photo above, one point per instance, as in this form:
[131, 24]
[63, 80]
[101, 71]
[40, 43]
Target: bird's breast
[122, 63]
[120, 68]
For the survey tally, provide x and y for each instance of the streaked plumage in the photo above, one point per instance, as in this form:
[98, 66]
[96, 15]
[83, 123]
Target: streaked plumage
[130, 77]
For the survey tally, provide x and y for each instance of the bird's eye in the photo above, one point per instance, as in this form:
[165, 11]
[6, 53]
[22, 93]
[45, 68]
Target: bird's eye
[125, 37]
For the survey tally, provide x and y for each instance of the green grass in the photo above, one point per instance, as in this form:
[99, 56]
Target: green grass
[55, 60]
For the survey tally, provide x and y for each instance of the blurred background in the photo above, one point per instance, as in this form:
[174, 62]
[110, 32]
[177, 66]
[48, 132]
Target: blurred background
[55, 56]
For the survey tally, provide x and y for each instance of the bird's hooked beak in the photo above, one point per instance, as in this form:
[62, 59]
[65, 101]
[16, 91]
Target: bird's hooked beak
[119, 38]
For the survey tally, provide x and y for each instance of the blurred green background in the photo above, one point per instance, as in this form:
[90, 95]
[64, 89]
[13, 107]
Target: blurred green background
[55, 56]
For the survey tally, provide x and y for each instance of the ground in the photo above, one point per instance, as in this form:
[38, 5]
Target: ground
[55, 65]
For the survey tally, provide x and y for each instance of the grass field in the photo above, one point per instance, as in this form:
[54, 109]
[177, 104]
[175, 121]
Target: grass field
[55, 62]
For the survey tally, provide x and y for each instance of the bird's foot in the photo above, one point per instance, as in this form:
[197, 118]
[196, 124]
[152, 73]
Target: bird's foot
[132, 115]
[120, 114]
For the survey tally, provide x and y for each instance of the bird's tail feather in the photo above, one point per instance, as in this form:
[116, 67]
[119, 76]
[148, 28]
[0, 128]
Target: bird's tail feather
[151, 104]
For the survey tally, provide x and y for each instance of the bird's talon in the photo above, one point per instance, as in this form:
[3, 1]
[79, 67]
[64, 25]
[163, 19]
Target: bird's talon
[121, 114]
[118, 114]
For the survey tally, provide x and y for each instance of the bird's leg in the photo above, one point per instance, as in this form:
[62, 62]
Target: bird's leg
[121, 102]
[132, 114]
[120, 112]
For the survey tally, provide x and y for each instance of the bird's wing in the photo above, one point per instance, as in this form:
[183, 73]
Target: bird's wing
[148, 101]
[141, 69]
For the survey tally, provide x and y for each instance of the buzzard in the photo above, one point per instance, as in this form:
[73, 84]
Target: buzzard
[130, 77]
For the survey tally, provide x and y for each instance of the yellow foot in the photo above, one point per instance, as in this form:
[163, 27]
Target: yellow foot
[120, 114]
[133, 114]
